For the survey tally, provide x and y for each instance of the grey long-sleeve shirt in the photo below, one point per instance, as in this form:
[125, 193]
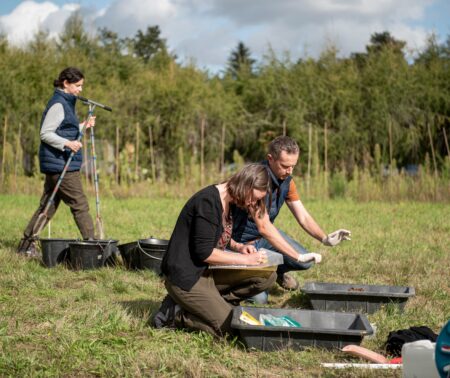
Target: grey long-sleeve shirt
[52, 120]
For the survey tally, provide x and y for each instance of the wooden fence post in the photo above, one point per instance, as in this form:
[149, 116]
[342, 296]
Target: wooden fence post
[5, 131]
[391, 149]
[202, 151]
[222, 151]
[446, 141]
[431, 146]
[308, 177]
[136, 165]
[152, 156]
[325, 152]
[117, 170]
[17, 157]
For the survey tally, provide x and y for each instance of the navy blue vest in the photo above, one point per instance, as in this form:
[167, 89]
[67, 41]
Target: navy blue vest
[51, 159]
[244, 229]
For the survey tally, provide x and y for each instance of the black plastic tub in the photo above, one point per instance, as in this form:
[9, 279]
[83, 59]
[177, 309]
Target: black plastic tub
[129, 255]
[327, 330]
[91, 254]
[144, 254]
[55, 251]
[151, 252]
[355, 297]
[110, 249]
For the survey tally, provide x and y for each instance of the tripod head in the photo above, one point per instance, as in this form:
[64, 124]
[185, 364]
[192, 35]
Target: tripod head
[86, 101]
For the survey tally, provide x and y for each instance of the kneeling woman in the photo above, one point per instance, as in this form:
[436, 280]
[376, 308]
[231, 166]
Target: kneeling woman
[202, 232]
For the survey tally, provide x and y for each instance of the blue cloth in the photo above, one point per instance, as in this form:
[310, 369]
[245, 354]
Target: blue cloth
[51, 159]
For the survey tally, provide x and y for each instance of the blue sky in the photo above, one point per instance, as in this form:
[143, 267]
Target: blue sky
[205, 31]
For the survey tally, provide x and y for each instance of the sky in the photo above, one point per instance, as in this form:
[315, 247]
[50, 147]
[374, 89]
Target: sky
[206, 31]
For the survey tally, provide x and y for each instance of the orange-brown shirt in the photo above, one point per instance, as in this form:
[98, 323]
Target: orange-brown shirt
[292, 194]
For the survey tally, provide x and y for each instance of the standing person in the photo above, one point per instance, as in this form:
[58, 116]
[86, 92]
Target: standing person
[196, 299]
[59, 132]
[282, 157]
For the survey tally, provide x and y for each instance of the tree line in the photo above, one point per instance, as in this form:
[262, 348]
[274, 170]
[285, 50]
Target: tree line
[370, 110]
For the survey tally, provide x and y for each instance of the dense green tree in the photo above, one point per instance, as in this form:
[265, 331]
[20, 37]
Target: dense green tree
[74, 34]
[380, 41]
[344, 110]
[240, 61]
[147, 45]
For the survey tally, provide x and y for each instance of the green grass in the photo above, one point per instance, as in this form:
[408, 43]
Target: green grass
[59, 322]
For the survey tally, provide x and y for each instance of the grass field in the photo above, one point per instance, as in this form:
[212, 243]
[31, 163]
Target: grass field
[59, 322]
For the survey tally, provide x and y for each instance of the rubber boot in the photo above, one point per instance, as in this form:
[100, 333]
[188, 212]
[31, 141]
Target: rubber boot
[27, 248]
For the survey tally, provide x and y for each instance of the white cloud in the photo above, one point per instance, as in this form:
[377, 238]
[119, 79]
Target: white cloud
[207, 30]
[128, 16]
[24, 21]
[29, 17]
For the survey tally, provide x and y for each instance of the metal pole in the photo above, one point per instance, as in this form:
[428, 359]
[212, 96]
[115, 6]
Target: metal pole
[99, 223]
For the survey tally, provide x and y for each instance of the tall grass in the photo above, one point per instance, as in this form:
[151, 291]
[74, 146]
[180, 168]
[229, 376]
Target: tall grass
[58, 322]
[359, 185]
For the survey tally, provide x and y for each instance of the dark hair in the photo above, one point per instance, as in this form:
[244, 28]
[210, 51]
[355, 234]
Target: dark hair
[283, 143]
[71, 74]
[240, 186]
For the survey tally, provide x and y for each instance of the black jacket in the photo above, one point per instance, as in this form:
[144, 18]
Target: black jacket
[193, 239]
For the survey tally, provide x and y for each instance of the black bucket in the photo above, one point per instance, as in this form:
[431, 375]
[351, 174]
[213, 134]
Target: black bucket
[111, 250]
[91, 254]
[130, 256]
[55, 251]
[151, 252]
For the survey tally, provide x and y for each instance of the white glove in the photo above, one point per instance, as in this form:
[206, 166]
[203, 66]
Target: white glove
[336, 237]
[307, 257]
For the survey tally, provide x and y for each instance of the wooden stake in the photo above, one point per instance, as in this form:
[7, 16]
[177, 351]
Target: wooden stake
[325, 140]
[5, 130]
[431, 146]
[284, 126]
[152, 156]
[136, 165]
[117, 170]
[16, 160]
[308, 177]
[222, 151]
[446, 141]
[202, 151]
[390, 143]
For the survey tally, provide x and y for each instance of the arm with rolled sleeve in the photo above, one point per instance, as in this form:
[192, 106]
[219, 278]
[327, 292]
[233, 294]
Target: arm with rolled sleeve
[307, 222]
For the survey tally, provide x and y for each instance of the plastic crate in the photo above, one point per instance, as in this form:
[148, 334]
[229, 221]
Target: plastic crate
[328, 330]
[355, 297]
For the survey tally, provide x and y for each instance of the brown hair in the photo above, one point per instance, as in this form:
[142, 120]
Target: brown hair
[283, 143]
[71, 74]
[240, 186]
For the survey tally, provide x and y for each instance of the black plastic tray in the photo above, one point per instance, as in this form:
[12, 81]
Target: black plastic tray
[328, 330]
[355, 297]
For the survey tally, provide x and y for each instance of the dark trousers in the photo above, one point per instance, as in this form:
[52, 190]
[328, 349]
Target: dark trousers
[208, 306]
[71, 193]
